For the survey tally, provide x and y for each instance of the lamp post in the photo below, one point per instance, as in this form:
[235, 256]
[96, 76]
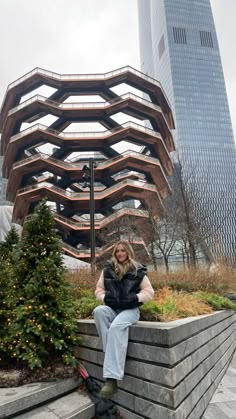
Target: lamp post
[88, 177]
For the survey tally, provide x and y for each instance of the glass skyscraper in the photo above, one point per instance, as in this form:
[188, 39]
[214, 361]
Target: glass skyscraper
[179, 47]
[3, 183]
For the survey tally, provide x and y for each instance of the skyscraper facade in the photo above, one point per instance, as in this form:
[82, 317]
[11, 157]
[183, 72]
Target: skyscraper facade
[3, 183]
[179, 47]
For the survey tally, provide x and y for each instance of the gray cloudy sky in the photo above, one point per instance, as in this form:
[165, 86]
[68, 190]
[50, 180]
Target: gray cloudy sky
[80, 36]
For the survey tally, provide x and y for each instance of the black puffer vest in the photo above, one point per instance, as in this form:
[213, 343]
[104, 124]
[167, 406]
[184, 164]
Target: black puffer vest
[122, 294]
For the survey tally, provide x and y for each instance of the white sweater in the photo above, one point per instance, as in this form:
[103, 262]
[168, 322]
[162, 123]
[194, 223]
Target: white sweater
[146, 291]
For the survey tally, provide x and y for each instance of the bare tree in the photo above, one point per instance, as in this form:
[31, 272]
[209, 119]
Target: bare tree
[160, 232]
[185, 226]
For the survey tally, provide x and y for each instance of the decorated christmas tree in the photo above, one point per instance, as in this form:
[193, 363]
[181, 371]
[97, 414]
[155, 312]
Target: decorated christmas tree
[7, 288]
[45, 326]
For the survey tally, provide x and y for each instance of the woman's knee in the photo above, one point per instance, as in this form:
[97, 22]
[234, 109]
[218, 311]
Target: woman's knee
[100, 311]
[126, 318]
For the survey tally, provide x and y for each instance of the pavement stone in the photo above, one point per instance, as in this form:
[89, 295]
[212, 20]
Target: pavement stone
[73, 406]
[223, 402]
[17, 399]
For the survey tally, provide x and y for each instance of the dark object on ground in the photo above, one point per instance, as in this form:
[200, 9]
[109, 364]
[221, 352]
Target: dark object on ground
[104, 408]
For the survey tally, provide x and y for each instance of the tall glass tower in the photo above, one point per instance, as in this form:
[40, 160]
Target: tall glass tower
[179, 47]
[3, 183]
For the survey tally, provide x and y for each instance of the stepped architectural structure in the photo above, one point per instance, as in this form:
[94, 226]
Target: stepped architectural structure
[119, 178]
[179, 47]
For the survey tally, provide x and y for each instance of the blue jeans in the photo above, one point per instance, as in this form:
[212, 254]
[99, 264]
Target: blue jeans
[113, 327]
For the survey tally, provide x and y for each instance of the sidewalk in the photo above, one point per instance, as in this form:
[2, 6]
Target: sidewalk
[223, 402]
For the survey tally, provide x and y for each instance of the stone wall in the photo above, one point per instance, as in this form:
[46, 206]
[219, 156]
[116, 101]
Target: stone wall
[172, 369]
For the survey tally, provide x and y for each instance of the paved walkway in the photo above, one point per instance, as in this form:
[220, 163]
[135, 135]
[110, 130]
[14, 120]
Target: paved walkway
[223, 402]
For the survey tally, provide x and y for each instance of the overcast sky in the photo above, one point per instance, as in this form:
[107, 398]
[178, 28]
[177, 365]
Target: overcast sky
[89, 36]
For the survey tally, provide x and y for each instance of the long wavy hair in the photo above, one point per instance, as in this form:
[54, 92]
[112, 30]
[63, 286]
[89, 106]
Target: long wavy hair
[129, 264]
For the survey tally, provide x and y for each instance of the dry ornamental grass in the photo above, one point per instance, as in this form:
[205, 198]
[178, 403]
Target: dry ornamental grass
[176, 305]
[177, 295]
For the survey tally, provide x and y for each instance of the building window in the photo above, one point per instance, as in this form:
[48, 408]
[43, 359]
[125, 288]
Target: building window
[179, 36]
[161, 46]
[206, 39]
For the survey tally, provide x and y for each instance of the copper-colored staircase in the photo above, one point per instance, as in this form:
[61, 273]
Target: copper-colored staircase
[133, 176]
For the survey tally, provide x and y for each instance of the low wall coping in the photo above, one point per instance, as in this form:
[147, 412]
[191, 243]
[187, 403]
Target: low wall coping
[168, 333]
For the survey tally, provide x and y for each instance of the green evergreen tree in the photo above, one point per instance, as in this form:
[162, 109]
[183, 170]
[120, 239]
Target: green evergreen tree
[6, 246]
[7, 288]
[45, 326]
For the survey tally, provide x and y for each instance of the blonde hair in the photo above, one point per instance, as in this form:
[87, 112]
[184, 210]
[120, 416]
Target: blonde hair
[129, 263]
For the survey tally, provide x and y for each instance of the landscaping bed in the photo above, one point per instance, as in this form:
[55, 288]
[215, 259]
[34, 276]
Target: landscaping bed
[14, 375]
[177, 295]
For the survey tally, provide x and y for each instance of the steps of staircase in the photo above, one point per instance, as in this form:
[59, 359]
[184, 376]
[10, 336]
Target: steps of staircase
[15, 400]
[76, 405]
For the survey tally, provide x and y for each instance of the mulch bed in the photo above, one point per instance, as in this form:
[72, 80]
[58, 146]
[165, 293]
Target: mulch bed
[16, 375]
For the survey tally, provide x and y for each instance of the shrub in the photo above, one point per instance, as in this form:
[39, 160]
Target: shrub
[150, 311]
[217, 302]
[175, 305]
[178, 294]
[220, 282]
[86, 303]
[82, 280]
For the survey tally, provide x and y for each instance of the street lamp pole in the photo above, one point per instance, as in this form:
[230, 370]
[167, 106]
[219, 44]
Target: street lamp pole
[88, 178]
[92, 212]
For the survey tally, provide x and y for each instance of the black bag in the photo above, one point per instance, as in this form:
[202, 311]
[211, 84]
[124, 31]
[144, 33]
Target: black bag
[104, 408]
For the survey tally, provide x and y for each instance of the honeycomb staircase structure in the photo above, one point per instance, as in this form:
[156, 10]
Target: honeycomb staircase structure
[120, 178]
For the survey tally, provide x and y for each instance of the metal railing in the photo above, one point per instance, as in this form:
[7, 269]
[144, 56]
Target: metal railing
[85, 195]
[75, 77]
[71, 165]
[129, 174]
[95, 134]
[103, 222]
[81, 252]
[91, 105]
[129, 153]
[86, 105]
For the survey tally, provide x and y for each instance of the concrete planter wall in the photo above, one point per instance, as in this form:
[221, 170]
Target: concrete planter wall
[172, 369]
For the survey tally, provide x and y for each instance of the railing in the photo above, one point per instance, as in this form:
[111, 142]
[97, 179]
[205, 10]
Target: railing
[76, 251]
[96, 134]
[80, 252]
[130, 153]
[69, 77]
[86, 105]
[69, 165]
[106, 220]
[85, 195]
[129, 174]
[45, 157]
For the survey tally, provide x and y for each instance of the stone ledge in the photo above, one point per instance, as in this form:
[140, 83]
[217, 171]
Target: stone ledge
[166, 356]
[17, 399]
[181, 365]
[165, 333]
[162, 375]
[169, 397]
[153, 410]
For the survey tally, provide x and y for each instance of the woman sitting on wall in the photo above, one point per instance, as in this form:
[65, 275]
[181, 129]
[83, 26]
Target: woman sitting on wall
[122, 286]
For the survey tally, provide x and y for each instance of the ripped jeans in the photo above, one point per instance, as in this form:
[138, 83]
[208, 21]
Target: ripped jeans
[113, 327]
